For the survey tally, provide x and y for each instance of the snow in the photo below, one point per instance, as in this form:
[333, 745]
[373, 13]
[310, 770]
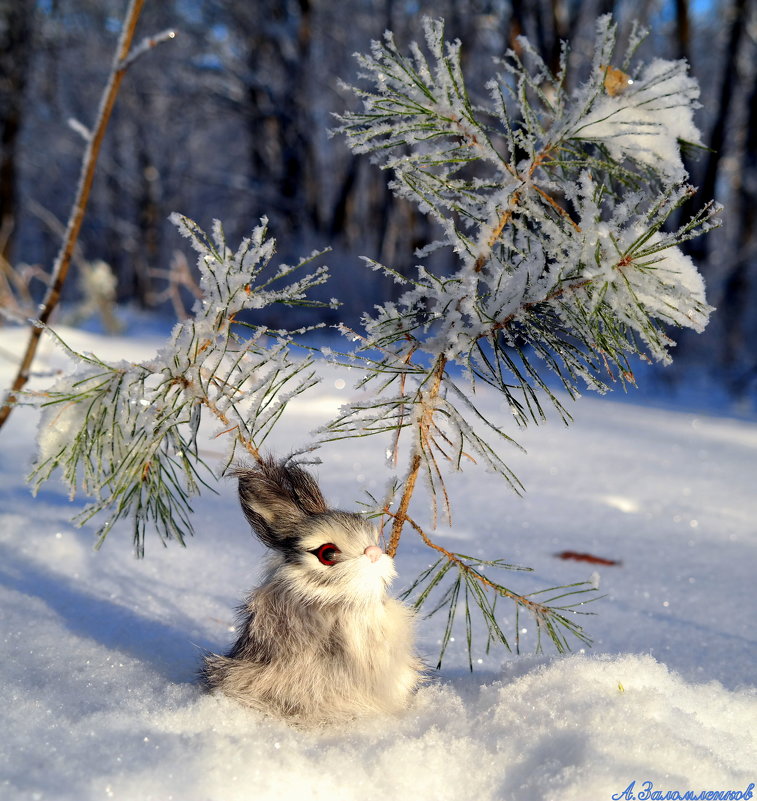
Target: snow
[645, 121]
[661, 283]
[100, 650]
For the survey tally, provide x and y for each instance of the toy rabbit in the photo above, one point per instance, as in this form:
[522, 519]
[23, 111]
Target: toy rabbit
[319, 640]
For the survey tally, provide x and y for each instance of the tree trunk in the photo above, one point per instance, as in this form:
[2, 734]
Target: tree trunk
[683, 30]
[738, 293]
[282, 157]
[698, 247]
[15, 47]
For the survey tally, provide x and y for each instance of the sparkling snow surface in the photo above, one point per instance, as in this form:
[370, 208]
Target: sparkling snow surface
[97, 691]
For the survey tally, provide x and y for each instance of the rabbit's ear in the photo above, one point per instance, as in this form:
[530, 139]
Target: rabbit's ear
[276, 498]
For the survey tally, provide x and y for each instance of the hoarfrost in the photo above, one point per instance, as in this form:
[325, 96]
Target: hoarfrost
[555, 254]
[646, 121]
[125, 434]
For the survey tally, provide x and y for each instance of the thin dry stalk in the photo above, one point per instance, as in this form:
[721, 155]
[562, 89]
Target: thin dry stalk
[415, 460]
[178, 275]
[538, 610]
[89, 163]
[240, 437]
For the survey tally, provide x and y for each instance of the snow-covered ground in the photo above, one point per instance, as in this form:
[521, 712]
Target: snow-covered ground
[98, 698]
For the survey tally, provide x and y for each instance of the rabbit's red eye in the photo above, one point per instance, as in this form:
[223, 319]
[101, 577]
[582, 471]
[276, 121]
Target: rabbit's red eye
[327, 553]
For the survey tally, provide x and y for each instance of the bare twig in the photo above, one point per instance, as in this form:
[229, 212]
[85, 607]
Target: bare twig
[56, 226]
[415, 460]
[144, 46]
[177, 275]
[240, 437]
[537, 610]
[124, 57]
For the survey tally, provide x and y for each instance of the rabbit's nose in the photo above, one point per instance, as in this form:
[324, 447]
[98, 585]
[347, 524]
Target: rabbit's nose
[373, 552]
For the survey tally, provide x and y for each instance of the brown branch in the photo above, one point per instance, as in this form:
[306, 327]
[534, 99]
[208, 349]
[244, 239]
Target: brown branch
[415, 460]
[507, 214]
[89, 163]
[220, 415]
[536, 609]
[557, 207]
[490, 242]
[407, 494]
[240, 437]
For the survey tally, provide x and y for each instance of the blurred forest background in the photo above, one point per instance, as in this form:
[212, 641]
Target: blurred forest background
[231, 120]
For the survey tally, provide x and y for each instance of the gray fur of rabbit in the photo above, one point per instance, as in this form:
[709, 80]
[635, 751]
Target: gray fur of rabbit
[319, 640]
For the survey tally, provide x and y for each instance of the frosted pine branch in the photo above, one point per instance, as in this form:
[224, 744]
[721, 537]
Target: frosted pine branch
[126, 434]
[555, 195]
